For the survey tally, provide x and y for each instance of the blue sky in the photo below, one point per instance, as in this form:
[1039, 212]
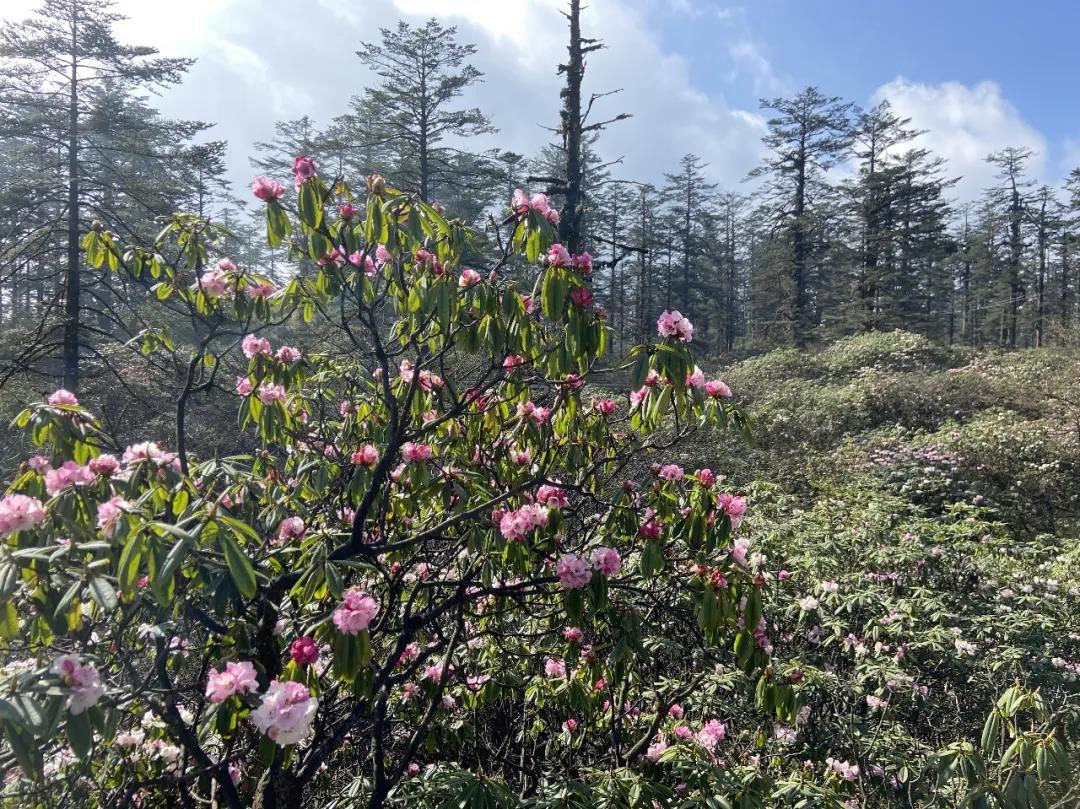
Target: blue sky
[850, 48]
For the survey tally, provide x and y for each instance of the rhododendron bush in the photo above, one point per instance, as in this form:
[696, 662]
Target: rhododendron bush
[435, 576]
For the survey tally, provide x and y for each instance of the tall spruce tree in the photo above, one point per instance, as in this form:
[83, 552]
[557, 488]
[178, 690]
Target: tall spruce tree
[421, 72]
[808, 134]
[1011, 198]
[688, 195]
[54, 63]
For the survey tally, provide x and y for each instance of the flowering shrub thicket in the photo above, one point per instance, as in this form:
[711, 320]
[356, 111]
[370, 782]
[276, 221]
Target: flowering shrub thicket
[925, 566]
[431, 577]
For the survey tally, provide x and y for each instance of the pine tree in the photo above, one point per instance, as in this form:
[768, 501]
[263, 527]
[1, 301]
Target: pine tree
[1010, 197]
[808, 134]
[421, 72]
[54, 61]
[687, 195]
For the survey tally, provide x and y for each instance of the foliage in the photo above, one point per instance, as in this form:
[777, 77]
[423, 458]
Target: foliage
[431, 555]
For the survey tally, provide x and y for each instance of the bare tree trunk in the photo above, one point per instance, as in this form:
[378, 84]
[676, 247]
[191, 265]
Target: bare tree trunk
[71, 272]
[570, 217]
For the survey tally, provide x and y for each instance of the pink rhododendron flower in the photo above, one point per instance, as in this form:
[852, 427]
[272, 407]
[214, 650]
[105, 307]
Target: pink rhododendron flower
[409, 653]
[415, 453]
[734, 506]
[286, 712]
[109, 514]
[650, 529]
[739, 550]
[260, 290]
[266, 189]
[558, 256]
[476, 682]
[304, 169]
[671, 472]
[570, 725]
[551, 496]
[717, 389]
[215, 283]
[332, 258]
[63, 397]
[573, 634]
[147, 451]
[435, 672]
[83, 680]
[356, 612]
[519, 201]
[291, 528]
[237, 678]
[468, 278]
[843, 769]
[244, 386]
[711, 734]
[656, 749]
[695, 379]
[606, 561]
[357, 259]
[673, 324]
[515, 525]
[555, 668]
[104, 465]
[68, 474]
[583, 263]
[367, 455]
[581, 297]
[270, 393]
[606, 407]
[287, 355]
[346, 210]
[253, 345]
[304, 651]
[706, 478]
[675, 711]
[573, 571]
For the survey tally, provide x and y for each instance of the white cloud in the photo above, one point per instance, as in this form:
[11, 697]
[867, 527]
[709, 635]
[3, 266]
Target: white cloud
[260, 61]
[965, 124]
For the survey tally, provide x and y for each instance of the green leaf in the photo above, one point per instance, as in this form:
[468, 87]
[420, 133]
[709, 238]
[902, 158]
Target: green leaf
[9, 621]
[27, 751]
[103, 593]
[640, 370]
[80, 735]
[310, 204]
[553, 294]
[128, 566]
[243, 574]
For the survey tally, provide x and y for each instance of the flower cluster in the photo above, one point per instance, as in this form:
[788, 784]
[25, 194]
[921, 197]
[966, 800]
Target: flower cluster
[517, 524]
[356, 612]
[236, 678]
[575, 572]
[673, 324]
[67, 474]
[522, 204]
[83, 680]
[286, 712]
[267, 189]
